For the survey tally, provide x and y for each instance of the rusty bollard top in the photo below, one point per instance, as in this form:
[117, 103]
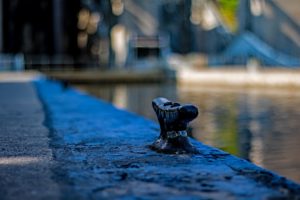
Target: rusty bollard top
[173, 119]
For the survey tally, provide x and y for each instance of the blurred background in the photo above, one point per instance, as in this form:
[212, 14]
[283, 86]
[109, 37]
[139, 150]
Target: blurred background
[114, 33]
[130, 51]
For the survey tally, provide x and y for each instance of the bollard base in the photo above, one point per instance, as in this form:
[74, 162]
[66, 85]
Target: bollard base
[178, 145]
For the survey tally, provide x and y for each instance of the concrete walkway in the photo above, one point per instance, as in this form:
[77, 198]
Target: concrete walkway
[95, 151]
[25, 156]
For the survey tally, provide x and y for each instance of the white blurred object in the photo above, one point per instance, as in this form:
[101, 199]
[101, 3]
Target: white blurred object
[253, 65]
[119, 37]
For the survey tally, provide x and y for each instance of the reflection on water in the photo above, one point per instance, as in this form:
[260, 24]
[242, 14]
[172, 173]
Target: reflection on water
[261, 126]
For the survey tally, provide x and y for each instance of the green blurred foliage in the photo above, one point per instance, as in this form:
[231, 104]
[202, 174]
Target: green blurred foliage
[228, 9]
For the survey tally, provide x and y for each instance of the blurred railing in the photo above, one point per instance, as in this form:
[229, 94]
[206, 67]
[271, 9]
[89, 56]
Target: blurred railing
[248, 47]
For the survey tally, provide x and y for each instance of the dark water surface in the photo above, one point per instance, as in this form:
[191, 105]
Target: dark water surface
[260, 125]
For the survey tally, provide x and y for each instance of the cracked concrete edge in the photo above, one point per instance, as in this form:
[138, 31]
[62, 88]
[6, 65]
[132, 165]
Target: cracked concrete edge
[240, 166]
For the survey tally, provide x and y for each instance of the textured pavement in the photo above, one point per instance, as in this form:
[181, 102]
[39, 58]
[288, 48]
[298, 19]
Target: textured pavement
[91, 150]
[25, 156]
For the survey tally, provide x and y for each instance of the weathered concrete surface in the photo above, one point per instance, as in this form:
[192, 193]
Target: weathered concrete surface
[102, 153]
[25, 156]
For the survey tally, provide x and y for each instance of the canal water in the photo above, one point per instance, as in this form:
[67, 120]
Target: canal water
[260, 125]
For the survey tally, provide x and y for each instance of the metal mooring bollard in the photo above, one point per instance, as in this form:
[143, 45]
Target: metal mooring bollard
[173, 119]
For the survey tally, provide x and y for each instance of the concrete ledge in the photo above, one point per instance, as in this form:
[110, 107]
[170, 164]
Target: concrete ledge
[101, 153]
[16, 77]
[111, 76]
[239, 77]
